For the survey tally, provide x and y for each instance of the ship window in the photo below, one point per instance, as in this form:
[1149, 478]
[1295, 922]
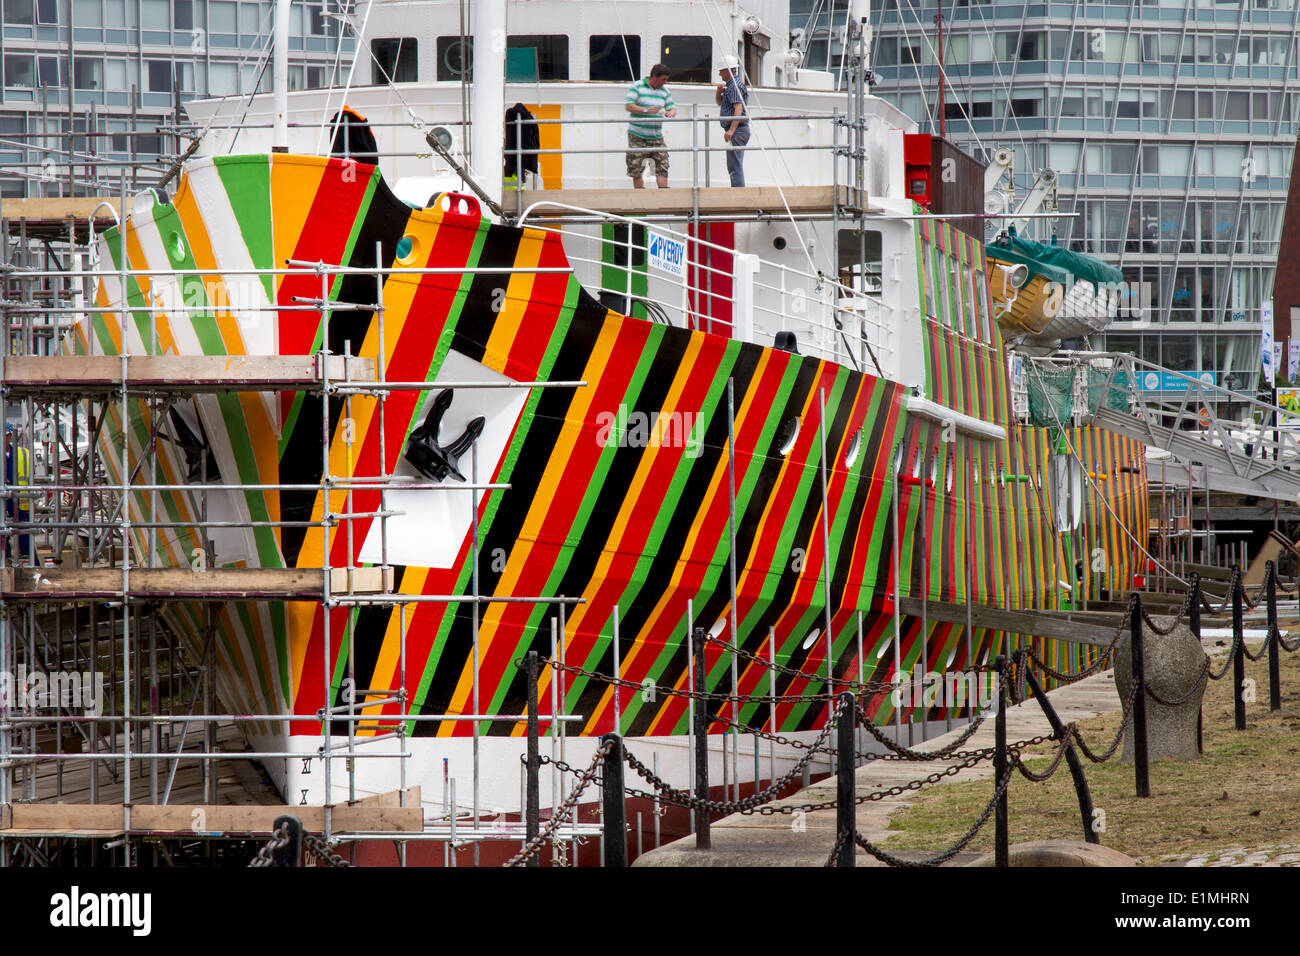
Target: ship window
[614, 58]
[789, 432]
[811, 639]
[860, 261]
[452, 60]
[396, 59]
[855, 446]
[688, 58]
[539, 57]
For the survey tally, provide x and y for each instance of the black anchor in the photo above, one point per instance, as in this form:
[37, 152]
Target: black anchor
[431, 459]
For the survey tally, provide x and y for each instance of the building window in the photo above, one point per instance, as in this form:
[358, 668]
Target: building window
[223, 79]
[453, 61]
[614, 58]
[87, 73]
[47, 11]
[539, 57]
[223, 17]
[396, 59]
[87, 13]
[688, 58]
[47, 71]
[19, 13]
[183, 14]
[19, 70]
[160, 76]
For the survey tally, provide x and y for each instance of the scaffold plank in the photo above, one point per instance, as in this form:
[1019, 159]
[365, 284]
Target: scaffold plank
[45, 584]
[96, 819]
[59, 208]
[744, 202]
[178, 373]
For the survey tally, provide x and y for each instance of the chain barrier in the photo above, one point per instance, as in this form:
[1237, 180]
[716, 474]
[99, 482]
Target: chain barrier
[1227, 600]
[265, 854]
[1028, 774]
[671, 794]
[891, 860]
[1119, 734]
[586, 777]
[907, 753]
[1259, 654]
[321, 851]
[1096, 667]
[841, 839]
[1150, 622]
[870, 687]
[1183, 698]
[1289, 648]
[1227, 662]
[1259, 594]
[767, 735]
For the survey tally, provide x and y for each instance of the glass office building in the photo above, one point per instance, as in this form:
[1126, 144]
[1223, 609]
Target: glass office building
[113, 73]
[1171, 125]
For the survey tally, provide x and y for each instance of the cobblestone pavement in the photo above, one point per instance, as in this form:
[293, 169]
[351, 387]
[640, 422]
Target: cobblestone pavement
[1280, 855]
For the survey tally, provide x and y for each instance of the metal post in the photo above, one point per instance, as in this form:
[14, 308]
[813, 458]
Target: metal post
[614, 817]
[1001, 768]
[845, 790]
[1194, 623]
[702, 839]
[1071, 755]
[1274, 677]
[532, 813]
[1238, 652]
[1140, 769]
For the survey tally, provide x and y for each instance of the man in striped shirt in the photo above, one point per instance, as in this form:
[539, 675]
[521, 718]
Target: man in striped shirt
[648, 101]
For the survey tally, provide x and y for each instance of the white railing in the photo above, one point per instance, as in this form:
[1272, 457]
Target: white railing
[690, 282]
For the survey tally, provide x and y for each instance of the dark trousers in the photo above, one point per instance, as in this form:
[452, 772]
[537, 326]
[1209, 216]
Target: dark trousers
[736, 156]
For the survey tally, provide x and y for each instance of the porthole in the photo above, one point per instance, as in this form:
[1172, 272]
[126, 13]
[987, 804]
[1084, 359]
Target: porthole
[811, 639]
[408, 248]
[778, 243]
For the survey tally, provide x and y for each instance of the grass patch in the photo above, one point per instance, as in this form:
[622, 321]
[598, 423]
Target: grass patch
[1241, 793]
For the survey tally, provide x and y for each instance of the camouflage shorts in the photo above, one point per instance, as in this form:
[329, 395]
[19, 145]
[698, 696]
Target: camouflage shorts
[641, 149]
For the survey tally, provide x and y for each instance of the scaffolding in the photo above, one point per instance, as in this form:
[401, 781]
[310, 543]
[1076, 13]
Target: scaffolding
[113, 740]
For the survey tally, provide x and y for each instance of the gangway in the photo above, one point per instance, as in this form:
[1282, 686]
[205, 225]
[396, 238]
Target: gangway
[1176, 412]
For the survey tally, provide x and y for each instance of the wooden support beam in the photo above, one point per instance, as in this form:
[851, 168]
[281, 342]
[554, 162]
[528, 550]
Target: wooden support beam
[59, 208]
[185, 374]
[70, 819]
[46, 584]
[746, 202]
[1080, 628]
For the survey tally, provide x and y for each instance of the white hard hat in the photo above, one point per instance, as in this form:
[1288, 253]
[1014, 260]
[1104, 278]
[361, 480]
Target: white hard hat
[729, 62]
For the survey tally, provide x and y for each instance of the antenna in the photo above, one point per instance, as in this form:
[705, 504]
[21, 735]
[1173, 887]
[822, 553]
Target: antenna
[943, 122]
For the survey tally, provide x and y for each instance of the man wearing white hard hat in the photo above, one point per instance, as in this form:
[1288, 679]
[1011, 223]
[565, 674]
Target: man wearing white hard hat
[732, 96]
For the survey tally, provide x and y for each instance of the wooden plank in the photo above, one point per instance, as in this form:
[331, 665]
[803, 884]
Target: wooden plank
[58, 208]
[1036, 623]
[743, 202]
[393, 798]
[285, 583]
[205, 820]
[177, 373]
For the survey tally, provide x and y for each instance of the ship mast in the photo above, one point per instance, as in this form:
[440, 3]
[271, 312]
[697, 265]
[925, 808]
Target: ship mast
[487, 110]
[280, 76]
